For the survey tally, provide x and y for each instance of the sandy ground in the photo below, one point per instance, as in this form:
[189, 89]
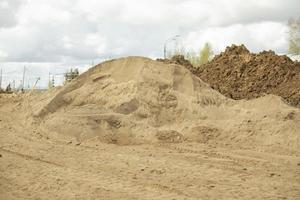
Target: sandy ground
[134, 128]
[33, 166]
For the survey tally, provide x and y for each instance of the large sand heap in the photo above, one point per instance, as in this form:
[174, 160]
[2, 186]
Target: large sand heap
[137, 100]
[204, 145]
[239, 74]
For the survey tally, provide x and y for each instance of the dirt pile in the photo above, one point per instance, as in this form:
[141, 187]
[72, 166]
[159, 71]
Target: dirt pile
[239, 74]
[194, 143]
[4, 91]
[138, 100]
[128, 100]
[177, 59]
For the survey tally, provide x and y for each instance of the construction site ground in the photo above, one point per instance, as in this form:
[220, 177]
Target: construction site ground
[36, 167]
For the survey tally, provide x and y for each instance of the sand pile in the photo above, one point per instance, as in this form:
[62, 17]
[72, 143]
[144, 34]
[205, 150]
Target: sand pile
[239, 74]
[135, 96]
[137, 100]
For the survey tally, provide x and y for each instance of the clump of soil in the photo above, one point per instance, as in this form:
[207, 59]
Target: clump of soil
[179, 60]
[239, 74]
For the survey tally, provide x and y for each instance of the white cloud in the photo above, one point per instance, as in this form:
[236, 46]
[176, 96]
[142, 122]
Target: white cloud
[8, 10]
[77, 32]
[83, 29]
[256, 36]
[4, 5]
[3, 55]
[96, 41]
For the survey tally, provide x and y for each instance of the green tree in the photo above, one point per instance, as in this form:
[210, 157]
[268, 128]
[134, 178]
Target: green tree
[196, 58]
[192, 57]
[294, 36]
[206, 54]
[70, 75]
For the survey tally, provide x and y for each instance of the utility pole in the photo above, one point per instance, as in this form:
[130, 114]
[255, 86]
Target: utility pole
[34, 86]
[14, 85]
[52, 81]
[166, 42]
[23, 81]
[49, 83]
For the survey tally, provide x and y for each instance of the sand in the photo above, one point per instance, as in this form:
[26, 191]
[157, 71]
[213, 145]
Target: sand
[134, 128]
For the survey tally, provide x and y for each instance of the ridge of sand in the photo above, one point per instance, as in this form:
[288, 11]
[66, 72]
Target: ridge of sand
[137, 100]
[74, 142]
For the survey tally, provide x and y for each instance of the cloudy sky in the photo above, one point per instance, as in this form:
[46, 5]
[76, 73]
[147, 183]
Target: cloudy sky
[50, 36]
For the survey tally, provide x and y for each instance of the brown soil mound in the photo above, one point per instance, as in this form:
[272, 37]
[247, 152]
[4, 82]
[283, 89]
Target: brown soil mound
[239, 74]
[137, 100]
[179, 60]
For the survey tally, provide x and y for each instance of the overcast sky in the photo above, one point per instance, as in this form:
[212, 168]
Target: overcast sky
[53, 35]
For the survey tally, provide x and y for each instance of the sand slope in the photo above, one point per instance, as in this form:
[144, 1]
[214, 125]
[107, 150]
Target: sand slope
[134, 128]
[137, 100]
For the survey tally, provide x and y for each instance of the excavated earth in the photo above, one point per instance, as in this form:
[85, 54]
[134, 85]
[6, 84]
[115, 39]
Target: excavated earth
[239, 74]
[134, 128]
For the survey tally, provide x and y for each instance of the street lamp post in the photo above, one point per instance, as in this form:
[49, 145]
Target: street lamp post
[166, 42]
